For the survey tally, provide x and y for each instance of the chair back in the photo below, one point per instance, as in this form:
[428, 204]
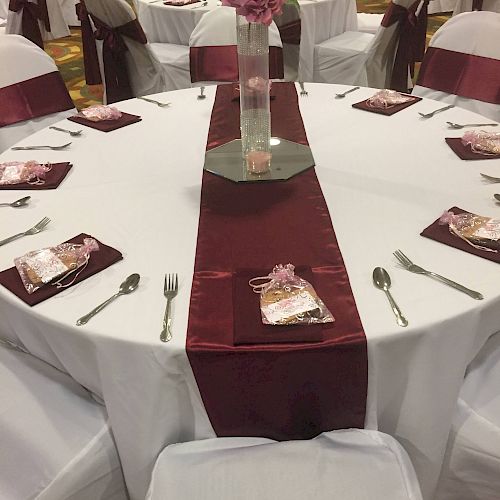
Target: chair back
[343, 464]
[127, 67]
[32, 92]
[470, 5]
[462, 64]
[213, 48]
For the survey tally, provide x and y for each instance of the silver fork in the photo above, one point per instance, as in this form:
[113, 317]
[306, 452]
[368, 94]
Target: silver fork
[303, 91]
[170, 289]
[343, 94]
[459, 126]
[54, 148]
[490, 177]
[413, 268]
[34, 230]
[152, 101]
[430, 115]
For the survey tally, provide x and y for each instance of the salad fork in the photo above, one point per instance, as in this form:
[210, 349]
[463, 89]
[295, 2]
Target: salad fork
[430, 115]
[343, 94]
[459, 126]
[303, 91]
[40, 226]
[27, 148]
[413, 268]
[152, 101]
[170, 289]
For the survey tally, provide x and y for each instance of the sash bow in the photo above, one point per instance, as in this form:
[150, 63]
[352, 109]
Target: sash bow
[31, 13]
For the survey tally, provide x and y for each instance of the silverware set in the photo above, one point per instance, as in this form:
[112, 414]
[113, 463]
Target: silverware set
[170, 289]
[38, 227]
[29, 148]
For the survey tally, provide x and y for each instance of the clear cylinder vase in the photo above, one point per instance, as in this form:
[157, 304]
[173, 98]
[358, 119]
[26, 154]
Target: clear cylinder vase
[255, 115]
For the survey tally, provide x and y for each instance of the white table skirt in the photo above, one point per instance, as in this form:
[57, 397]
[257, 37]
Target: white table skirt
[320, 20]
[138, 189]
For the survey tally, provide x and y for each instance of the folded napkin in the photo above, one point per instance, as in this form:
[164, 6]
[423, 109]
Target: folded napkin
[247, 322]
[236, 92]
[182, 3]
[465, 152]
[107, 125]
[386, 111]
[52, 179]
[441, 233]
[99, 260]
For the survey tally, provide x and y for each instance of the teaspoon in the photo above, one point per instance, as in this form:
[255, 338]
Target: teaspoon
[458, 126]
[128, 286]
[343, 94]
[497, 197]
[72, 133]
[382, 281]
[18, 203]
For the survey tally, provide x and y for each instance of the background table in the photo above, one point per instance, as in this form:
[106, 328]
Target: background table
[320, 20]
[138, 189]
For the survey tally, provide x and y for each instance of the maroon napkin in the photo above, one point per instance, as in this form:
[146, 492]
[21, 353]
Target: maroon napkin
[107, 125]
[465, 152]
[442, 234]
[52, 179]
[247, 322]
[236, 92]
[183, 5]
[99, 260]
[386, 111]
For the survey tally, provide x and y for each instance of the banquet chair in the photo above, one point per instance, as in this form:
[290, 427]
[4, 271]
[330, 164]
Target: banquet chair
[380, 60]
[127, 66]
[56, 442]
[351, 464]
[470, 5]
[68, 8]
[213, 53]
[37, 21]
[32, 93]
[462, 64]
[471, 468]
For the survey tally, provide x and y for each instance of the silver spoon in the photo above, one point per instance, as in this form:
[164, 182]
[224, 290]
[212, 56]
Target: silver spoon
[440, 110]
[72, 133]
[458, 126]
[343, 94]
[128, 286]
[490, 178]
[497, 197]
[18, 203]
[382, 281]
[28, 148]
[202, 94]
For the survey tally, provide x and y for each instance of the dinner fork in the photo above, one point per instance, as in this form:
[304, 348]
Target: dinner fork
[72, 133]
[459, 126]
[152, 101]
[34, 230]
[343, 94]
[170, 289]
[303, 91]
[54, 148]
[430, 115]
[413, 268]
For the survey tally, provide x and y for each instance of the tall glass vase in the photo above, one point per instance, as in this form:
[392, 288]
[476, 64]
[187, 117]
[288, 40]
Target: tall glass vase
[255, 117]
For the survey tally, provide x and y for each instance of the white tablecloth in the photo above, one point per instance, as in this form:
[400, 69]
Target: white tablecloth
[138, 189]
[320, 20]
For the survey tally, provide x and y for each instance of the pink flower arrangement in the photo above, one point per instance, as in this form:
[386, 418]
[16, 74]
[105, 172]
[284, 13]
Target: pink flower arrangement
[256, 11]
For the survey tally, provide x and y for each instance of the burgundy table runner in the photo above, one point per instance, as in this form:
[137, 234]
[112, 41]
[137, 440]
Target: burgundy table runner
[276, 390]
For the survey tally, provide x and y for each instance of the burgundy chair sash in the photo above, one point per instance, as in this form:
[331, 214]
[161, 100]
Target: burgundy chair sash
[411, 46]
[114, 49]
[477, 4]
[220, 63]
[31, 13]
[38, 96]
[465, 75]
[90, 59]
[290, 32]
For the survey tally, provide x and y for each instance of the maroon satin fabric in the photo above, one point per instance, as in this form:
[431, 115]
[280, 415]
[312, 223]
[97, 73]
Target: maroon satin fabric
[411, 45]
[220, 63]
[477, 4]
[287, 390]
[31, 13]
[90, 59]
[39, 96]
[113, 54]
[290, 32]
[461, 74]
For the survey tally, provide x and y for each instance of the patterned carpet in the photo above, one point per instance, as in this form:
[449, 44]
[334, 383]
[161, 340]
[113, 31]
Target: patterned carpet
[68, 55]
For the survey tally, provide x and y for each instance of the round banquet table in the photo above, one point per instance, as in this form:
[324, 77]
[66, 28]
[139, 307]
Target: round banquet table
[138, 189]
[320, 20]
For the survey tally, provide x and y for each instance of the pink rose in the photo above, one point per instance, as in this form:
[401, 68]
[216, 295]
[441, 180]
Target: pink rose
[256, 11]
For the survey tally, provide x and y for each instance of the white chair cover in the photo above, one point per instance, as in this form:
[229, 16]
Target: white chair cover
[470, 5]
[58, 26]
[217, 28]
[436, 6]
[471, 469]
[143, 72]
[4, 9]
[348, 464]
[25, 60]
[358, 58]
[369, 23]
[55, 440]
[69, 12]
[475, 34]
